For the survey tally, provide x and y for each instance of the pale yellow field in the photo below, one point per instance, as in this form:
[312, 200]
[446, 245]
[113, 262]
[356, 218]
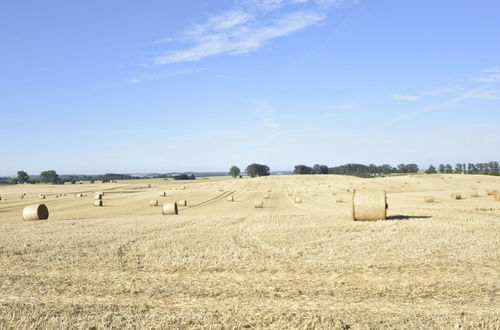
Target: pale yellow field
[223, 264]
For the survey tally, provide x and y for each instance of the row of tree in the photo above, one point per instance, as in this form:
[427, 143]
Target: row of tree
[356, 169]
[52, 177]
[490, 168]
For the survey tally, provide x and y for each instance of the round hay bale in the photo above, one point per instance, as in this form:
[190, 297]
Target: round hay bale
[230, 198]
[98, 202]
[97, 196]
[339, 199]
[153, 202]
[474, 194]
[35, 212]
[265, 196]
[369, 205]
[298, 200]
[42, 196]
[258, 204]
[429, 199]
[163, 194]
[182, 202]
[489, 192]
[456, 196]
[221, 189]
[182, 187]
[496, 196]
[170, 209]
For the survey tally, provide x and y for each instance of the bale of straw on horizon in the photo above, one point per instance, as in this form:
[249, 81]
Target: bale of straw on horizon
[170, 209]
[153, 202]
[369, 205]
[98, 202]
[182, 202]
[230, 198]
[258, 204]
[429, 199]
[298, 200]
[35, 212]
[456, 196]
[496, 195]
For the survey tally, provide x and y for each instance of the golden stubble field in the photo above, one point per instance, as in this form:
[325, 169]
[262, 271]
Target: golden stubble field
[222, 264]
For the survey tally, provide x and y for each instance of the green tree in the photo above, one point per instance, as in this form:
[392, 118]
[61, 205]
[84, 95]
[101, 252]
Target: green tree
[49, 177]
[442, 169]
[448, 168]
[22, 177]
[431, 170]
[254, 170]
[302, 169]
[234, 171]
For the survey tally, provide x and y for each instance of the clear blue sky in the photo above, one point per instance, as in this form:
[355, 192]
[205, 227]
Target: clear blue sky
[154, 86]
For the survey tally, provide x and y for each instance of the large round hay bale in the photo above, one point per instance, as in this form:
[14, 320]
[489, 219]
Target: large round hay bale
[369, 205]
[496, 195]
[298, 200]
[456, 196]
[265, 196]
[230, 198]
[170, 209]
[258, 204]
[153, 202]
[98, 202]
[35, 212]
[429, 199]
[182, 202]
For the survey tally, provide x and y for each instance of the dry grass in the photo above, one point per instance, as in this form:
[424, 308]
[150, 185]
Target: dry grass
[227, 265]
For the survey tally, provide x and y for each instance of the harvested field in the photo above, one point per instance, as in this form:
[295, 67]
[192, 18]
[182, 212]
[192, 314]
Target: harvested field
[220, 264]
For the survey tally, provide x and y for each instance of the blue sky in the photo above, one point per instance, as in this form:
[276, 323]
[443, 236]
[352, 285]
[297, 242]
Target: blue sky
[155, 86]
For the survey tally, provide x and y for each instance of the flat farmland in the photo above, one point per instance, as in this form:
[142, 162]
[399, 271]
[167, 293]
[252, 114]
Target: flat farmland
[226, 264]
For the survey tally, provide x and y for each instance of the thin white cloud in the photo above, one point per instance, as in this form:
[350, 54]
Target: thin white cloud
[347, 106]
[485, 95]
[400, 97]
[487, 75]
[165, 74]
[445, 90]
[246, 28]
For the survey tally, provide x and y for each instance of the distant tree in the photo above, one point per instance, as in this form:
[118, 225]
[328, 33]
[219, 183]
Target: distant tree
[254, 170]
[442, 169]
[49, 177]
[22, 177]
[448, 168]
[431, 170]
[302, 169]
[319, 169]
[458, 168]
[234, 171]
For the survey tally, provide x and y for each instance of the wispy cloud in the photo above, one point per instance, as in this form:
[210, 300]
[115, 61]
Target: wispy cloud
[164, 74]
[445, 90]
[400, 97]
[246, 28]
[487, 94]
[347, 106]
[487, 75]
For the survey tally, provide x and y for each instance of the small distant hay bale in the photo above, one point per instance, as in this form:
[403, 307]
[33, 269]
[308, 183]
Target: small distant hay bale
[149, 185]
[369, 205]
[496, 196]
[221, 189]
[230, 198]
[489, 192]
[334, 193]
[474, 194]
[258, 204]
[298, 200]
[97, 196]
[153, 202]
[265, 196]
[182, 187]
[429, 199]
[182, 202]
[42, 196]
[339, 199]
[170, 209]
[163, 194]
[268, 190]
[98, 202]
[456, 196]
[35, 212]
[315, 194]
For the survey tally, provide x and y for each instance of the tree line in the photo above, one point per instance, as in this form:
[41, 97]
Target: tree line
[490, 168]
[356, 169]
[51, 177]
